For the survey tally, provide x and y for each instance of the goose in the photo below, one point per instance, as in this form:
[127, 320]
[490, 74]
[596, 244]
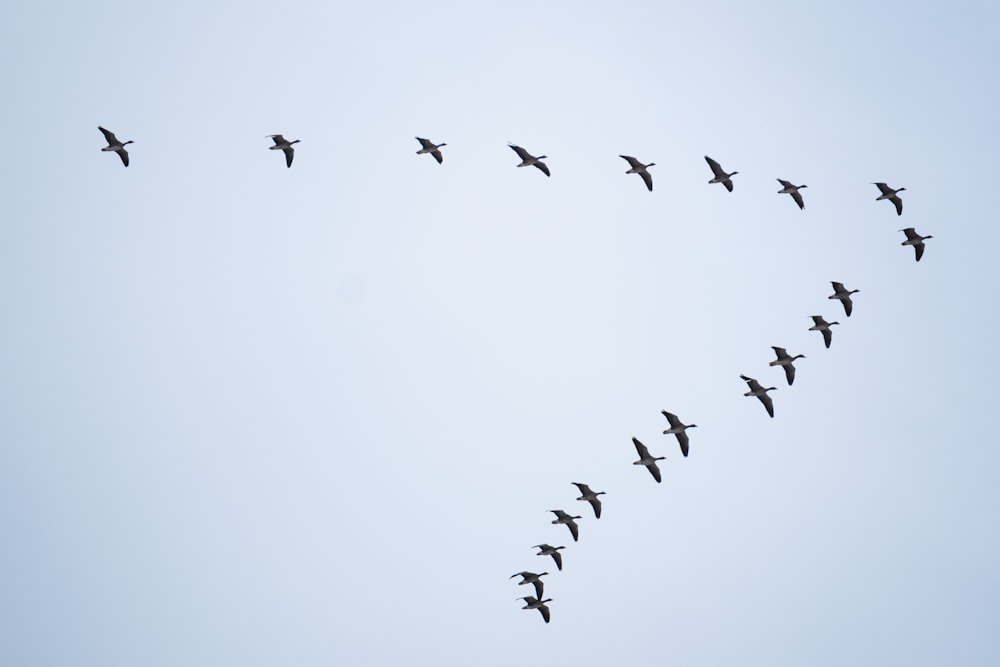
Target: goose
[639, 168]
[428, 146]
[788, 189]
[531, 578]
[891, 195]
[819, 324]
[529, 160]
[761, 393]
[677, 428]
[562, 517]
[590, 497]
[280, 143]
[720, 175]
[785, 360]
[115, 145]
[648, 460]
[535, 603]
[549, 550]
[844, 294]
[915, 240]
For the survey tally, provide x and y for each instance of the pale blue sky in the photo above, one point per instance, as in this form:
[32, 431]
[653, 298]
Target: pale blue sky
[252, 415]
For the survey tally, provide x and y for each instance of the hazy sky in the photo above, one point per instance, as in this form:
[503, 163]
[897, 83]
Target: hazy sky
[261, 416]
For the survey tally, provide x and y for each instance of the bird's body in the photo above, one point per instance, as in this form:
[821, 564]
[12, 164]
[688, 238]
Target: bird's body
[785, 361]
[678, 429]
[890, 194]
[760, 392]
[428, 146]
[591, 497]
[549, 550]
[787, 188]
[531, 578]
[844, 294]
[915, 240]
[537, 603]
[115, 145]
[282, 144]
[563, 517]
[819, 324]
[647, 459]
[720, 175]
[529, 160]
[636, 167]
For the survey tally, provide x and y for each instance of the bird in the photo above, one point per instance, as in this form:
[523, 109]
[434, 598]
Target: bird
[535, 603]
[785, 360]
[531, 578]
[648, 460]
[562, 517]
[639, 168]
[280, 143]
[590, 497]
[677, 428]
[891, 195]
[819, 324]
[548, 550]
[844, 294]
[720, 175]
[789, 189]
[429, 146]
[761, 393]
[115, 145]
[529, 160]
[915, 240]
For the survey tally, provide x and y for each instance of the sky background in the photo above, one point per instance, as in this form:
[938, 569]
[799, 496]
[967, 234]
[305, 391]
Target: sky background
[252, 415]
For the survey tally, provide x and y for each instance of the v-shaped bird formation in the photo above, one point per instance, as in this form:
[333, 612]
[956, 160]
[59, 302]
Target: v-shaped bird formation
[676, 426]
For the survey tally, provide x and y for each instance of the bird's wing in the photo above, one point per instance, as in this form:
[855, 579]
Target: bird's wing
[780, 351]
[523, 154]
[545, 169]
[729, 184]
[278, 139]
[785, 184]
[753, 384]
[911, 233]
[884, 188]
[768, 404]
[790, 374]
[672, 418]
[545, 612]
[838, 288]
[632, 161]
[574, 530]
[109, 136]
[716, 167]
[557, 557]
[848, 305]
[289, 155]
[437, 156]
[919, 248]
[123, 154]
[641, 448]
[559, 513]
[827, 336]
[899, 204]
[797, 196]
[818, 320]
[654, 470]
[648, 179]
[595, 502]
[518, 574]
[682, 438]
[539, 587]
[425, 143]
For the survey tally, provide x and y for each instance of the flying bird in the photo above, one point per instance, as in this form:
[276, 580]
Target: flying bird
[720, 174]
[529, 160]
[535, 603]
[648, 460]
[891, 195]
[115, 145]
[819, 324]
[844, 294]
[639, 168]
[429, 146]
[549, 550]
[760, 392]
[590, 497]
[562, 517]
[677, 428]
[531, 578]
[785, 361]
[915, 240]
[788, 189]
[281, 144]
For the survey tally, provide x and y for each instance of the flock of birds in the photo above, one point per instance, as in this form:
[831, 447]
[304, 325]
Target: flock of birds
[676, 427]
